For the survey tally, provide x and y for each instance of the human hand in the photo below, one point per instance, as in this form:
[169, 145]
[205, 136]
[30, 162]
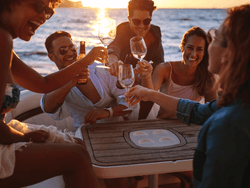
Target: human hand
[98, 53]
[137, 94]
[83, 76]
[94, 115]
[114, 68]
[144, 69]
[37, 136]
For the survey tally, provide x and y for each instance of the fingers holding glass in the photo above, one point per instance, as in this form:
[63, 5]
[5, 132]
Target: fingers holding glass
[107, 32]
[144, 68]
[83, 76]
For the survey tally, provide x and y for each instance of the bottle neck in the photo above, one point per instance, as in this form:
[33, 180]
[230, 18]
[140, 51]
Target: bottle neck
[82, 47]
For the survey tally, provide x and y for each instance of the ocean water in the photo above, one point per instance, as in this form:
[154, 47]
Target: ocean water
[82, 23]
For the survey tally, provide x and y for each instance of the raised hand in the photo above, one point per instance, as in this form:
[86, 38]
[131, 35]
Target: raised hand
[93, 115]
[137, 94]
[144, 69]
[97, 53]
[114, 68]
[37, 136]
[83, 75]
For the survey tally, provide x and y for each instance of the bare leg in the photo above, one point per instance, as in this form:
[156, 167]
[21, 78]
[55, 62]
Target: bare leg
[39, 162]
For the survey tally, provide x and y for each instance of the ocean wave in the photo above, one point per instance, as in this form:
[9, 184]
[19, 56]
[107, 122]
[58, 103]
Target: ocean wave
[31, 53]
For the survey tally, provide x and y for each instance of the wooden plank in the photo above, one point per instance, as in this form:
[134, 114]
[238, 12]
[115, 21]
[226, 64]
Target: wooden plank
[107, 145]
[129, 124]
[126, 151]
[105, 135]
[107, 140]
[111, 146]
[155, 157]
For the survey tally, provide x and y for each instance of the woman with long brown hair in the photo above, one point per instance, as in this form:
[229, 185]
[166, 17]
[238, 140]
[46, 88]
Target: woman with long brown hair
[222, 156]
[188, 78]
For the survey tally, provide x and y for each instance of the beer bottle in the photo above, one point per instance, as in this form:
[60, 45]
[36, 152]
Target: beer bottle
[81, 55]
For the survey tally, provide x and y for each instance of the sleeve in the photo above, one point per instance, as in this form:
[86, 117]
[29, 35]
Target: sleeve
[226, 157]
[60, 114]
[194, 112]
[159, 55]
[117, 45]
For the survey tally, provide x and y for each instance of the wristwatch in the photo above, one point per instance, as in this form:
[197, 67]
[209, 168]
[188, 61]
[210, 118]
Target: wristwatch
[110, 111]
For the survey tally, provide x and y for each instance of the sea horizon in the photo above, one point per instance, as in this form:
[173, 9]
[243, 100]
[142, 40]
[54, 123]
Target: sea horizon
[82, 23]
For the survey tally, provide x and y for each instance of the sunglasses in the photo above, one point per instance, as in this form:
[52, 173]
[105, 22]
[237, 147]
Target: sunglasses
[138, 22]
[211, 35]
[63, 50]
[41, 7]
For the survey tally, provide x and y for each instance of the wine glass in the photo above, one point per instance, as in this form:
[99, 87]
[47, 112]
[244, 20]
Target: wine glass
[138, 47]
[107, 32]
[126, 77]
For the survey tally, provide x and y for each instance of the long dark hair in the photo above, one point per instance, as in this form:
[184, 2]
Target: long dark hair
[235, 72]
[203, 78]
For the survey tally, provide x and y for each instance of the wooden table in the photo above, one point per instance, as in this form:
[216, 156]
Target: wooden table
[114, 155]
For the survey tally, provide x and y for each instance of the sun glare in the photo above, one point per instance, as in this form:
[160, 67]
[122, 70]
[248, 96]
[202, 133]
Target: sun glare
[101, 17]
[104, 4]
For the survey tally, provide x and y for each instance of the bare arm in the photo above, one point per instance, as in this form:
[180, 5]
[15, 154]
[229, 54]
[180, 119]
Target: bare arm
[54, 100]
[161, 73]
[9, 135]
[31, 80]
[93, 115]
[139, 93]
[144, 69]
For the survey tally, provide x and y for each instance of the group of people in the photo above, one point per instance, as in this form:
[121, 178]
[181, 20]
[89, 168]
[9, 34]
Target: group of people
[214, 66]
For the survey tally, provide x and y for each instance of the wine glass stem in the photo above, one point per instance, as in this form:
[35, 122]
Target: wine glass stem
[127, 88]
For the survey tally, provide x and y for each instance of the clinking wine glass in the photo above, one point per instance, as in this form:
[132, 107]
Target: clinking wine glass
[126, 77]
[107, 32]
[138, 47]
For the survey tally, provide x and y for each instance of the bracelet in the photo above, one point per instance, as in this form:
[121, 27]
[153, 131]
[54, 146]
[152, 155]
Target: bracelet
[110, 111]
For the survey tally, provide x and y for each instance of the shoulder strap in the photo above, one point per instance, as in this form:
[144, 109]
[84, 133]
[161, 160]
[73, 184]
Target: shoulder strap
[170, 76]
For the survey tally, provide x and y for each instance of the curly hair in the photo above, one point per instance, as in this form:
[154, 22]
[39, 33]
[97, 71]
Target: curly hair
[141, 5]
[203, 78]
[54, 36]
[235, 72]
[5, 4]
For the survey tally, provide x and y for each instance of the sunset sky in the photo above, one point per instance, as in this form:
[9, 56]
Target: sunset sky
[167, 3]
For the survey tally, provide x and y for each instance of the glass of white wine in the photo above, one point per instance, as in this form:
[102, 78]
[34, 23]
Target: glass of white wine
[107, 31]
[138, 47]
[126, 77]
